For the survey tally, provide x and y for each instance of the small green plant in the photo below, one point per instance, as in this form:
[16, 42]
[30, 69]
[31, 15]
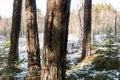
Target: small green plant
[102, 62]
[99, 77]
[109, 41]
[6, 72]
[95, 45]
[108, 46]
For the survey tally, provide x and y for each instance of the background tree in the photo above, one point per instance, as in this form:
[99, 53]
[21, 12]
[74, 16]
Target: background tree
[86, 47]
[23, 18]
[32, 38]
[15, 30]
[55, 40]
[40, 21]
[116, 24]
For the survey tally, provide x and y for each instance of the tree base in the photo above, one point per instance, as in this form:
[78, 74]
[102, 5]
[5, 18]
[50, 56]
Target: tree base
[32, 78]
[34, 73]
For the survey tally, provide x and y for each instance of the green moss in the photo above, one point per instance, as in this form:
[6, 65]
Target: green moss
[8, 77]
[71, 77]
[78, 59]
[86, 76]
[68, 66]
[83, 75]
[99, 77]
[101, 63]
[100, 52]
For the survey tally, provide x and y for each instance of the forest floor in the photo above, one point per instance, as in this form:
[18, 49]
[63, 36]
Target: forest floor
[102, 65]
[96, 67]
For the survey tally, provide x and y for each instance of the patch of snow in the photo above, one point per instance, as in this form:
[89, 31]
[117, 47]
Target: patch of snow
[1, 68]
[41, 41]
[21, 75]
[106, 56]
[72, 38]
[23, 56]
[75, 75]
[116, 44]
[81, 79]
[22, 49]
[1, 47]
[102, 48]
[118, 55]
[2, 37]
[1, 42]
[98, 38]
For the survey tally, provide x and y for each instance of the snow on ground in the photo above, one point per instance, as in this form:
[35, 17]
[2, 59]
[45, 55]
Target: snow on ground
[114, 74]
[23, 56]
[41, 36]
[73, 52]
[98, 38]
[72, 42]
[2, 38]
[22, 45]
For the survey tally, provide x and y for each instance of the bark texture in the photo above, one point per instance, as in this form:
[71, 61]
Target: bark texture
[55, 40]
[15, 30]
[86, 48]
[33, 49]
[116, 24]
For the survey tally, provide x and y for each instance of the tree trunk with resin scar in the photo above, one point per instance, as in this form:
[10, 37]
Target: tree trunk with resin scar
[55, 40]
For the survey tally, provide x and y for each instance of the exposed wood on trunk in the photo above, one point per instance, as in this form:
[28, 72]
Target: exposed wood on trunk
[55, 40]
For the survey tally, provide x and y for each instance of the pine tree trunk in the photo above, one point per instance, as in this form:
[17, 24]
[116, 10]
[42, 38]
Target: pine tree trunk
[15, 31]
[33, 50]
[55, 40]
[116, 24]
[86, 48]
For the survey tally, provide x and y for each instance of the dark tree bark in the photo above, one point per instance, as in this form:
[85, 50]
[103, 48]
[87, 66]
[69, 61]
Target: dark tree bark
[15, 30]
[116, 24]
[33, 49]
[55, 40]
[86, 48]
